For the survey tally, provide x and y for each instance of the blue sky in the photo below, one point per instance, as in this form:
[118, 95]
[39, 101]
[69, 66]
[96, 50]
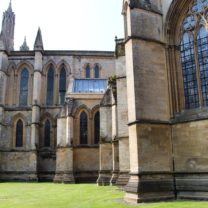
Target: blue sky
[68, 24]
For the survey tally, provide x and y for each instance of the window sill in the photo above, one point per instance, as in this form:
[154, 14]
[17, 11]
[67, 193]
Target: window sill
[196, 114]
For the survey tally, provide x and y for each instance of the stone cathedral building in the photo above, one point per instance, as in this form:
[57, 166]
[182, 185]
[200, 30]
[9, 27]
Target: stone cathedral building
[136, 117]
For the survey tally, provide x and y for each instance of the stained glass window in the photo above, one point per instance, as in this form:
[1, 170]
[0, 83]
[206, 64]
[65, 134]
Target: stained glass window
[97, 71]
[87, 71]
[24, 87]
[62, 85]
[47, 134]
[189, 72]
[194, 55]
[19, 133]
[83, 128]
[97, 127]
[50, 86]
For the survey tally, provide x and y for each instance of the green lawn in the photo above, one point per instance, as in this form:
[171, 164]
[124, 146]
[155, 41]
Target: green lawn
[45, 195]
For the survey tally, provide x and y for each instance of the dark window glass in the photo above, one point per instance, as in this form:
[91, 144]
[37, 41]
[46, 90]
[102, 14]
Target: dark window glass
[97, 127]
[202, 45]
[87, 71]
[19, 134]
[50, 86]
[47, 136]
[97, 71]
[189, 72]
[24, 87]
[62, 85]
[83, 128]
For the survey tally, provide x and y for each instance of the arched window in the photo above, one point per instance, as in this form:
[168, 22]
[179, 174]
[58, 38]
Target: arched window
[50, 86]
[24, 87]
[194, 56]
[97, 71]
[83, 128]
[19, 133]
[47, 134]
[62, 85]
[87, 71]
[97, 127]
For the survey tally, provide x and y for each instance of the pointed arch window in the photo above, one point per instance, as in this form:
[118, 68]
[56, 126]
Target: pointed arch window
[19, 133]
[83, 128]
[50, 86]
[23, 97]
[97, 71]
[97, 128]
[47, 134]
[194, 55]
[62, 85]
[87, 71]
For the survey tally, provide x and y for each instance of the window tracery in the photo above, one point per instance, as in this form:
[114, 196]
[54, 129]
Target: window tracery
[194, 55]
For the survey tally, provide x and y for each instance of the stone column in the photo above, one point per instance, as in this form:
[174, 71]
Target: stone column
[106, 162]
[115, 153]
[36, 107]
[151, 168]
[64, 152]
[3, 83]
[36, 100]
[122, 112]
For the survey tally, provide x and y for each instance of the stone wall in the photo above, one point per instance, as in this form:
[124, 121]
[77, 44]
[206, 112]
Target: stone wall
[190, 158]
[18, 166]
[86, 164]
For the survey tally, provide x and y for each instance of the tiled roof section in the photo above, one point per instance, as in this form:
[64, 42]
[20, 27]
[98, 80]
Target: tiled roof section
[90, 85]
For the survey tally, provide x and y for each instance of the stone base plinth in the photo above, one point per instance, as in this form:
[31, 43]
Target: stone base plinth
[64, 177]
[18, 176]
[64, 165]
[149, 187]
[123, 179]
[114, 178]
[104, 178]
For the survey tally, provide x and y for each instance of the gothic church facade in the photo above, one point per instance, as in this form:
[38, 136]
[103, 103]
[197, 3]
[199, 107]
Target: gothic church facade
[145, 130]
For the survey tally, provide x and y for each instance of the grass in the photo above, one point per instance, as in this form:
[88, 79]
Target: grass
[45, 195]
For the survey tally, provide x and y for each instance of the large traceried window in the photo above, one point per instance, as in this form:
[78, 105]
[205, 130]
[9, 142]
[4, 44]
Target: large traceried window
[23, 97]
[19, 133]
[47, 134]
[194, 55]
[50, 86]
[97, 127]
[83, 128]
[62, 85]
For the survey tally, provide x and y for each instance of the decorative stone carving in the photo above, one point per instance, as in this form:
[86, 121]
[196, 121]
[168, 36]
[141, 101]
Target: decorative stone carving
[144, 4]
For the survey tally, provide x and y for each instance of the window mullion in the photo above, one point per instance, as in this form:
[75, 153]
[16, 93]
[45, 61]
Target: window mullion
[198, 74]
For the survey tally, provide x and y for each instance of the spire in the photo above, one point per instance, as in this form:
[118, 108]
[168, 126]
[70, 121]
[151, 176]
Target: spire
[10, 6]
[38, 41]
[24, 46]
[7, 29]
